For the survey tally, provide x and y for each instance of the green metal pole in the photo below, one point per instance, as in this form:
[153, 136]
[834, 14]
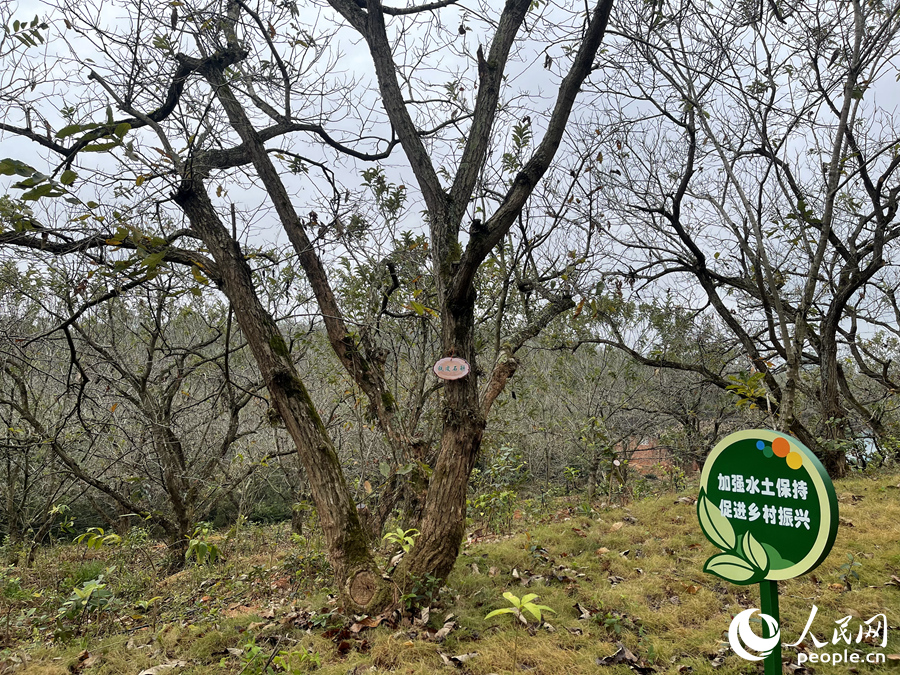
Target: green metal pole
[768, 600]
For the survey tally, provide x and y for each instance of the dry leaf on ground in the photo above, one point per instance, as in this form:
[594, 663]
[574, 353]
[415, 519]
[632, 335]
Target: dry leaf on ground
[163, 668]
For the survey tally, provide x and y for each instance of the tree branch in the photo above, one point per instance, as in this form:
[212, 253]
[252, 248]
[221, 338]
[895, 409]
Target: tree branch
[527, 179]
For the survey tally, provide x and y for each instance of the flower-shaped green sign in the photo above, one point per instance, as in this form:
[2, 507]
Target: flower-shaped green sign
[768, 503]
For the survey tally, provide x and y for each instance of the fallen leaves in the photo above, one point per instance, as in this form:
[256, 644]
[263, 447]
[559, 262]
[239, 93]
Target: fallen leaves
[238, 609]
[457, 661]
[449, 625]
[625, 656]
[85, 660]
[560, 573]
[163, 667]
[367, 622]
[717, 660]
[584, 613]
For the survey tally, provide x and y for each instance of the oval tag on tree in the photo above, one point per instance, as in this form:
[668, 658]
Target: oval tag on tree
[451, 368]
[768, 503]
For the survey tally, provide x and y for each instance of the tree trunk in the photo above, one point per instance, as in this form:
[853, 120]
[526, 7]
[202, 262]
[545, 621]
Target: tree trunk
[347, 544]
[834, 417]
[444, 518]
[834, 461]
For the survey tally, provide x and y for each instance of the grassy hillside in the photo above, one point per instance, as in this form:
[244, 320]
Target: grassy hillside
[615, 577]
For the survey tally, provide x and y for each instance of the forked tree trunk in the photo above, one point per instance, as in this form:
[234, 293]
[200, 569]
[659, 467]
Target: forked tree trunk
[348, 549]
[444, 518]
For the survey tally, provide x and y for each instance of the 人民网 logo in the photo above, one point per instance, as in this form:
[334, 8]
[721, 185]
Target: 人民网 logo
[740, 634]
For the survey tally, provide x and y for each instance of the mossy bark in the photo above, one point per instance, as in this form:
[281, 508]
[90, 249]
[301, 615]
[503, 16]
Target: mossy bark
[347, 544]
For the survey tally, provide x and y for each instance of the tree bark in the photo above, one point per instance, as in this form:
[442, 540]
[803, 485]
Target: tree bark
[444, 519]
[464, 414]
[347, 545]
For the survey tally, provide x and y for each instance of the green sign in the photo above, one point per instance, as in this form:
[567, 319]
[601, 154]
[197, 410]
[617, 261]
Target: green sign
[768, 503]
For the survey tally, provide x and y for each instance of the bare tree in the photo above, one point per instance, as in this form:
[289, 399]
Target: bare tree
[218, 90]
[748, 175]
[152, 410]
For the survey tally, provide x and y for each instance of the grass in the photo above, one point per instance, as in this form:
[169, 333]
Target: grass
[634, 573]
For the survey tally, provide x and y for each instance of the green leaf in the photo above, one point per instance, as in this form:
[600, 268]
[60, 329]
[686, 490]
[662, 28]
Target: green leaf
[153, 259]
[68, 177]
[535, 610]
[199, 276]
[44, 190]
[496, 612]
[36, 179]
[715, 526]
[734, 569]
[385, 469]
[122, 129]
[776, 562]
[513, 599]
[101, 147]
[69, 130]
[11, 167]
[753, 552]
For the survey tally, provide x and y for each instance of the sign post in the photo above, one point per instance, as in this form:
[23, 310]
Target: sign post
[768, 604]
[767, 502]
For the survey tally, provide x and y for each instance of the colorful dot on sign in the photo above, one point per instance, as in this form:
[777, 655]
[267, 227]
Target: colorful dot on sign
[768, 451]
[781, 447]
[795, 460]
[760, 445]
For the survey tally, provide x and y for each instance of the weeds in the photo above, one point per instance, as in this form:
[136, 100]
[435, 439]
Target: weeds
[848, 571]
[200, 546]
[599, 572]
[405, 539]
[423, 592]
[518, 609]
[96, 538]
[91, 599]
